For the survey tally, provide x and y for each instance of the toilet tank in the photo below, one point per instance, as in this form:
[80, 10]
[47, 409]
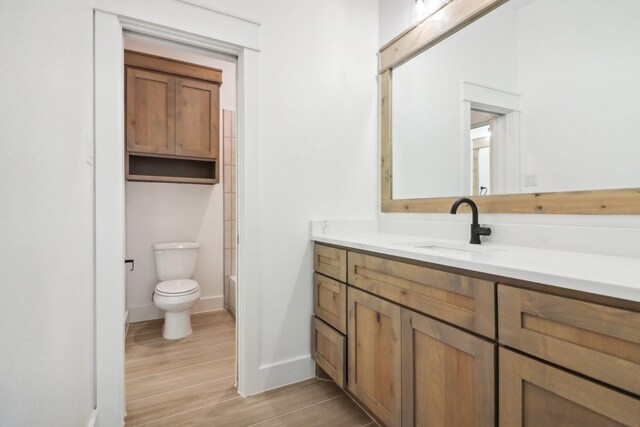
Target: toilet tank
[175, 260]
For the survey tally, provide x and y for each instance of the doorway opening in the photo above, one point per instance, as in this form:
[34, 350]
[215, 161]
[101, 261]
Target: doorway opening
[480, 136]
[168, 362]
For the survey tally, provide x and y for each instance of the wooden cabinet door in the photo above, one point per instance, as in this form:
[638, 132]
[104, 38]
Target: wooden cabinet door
[150, 112]
[534, 394]
[374, 373]
[197, 120]
[447, 375]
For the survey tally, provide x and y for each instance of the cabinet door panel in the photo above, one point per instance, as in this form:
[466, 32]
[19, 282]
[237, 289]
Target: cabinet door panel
[150, 112]
[534, 394]
[447, 375]
[374, 354]
[197, 121]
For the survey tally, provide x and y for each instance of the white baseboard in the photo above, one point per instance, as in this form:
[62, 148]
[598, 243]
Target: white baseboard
[93, 420]
[208, 304]
[281, 373]
[151, 312]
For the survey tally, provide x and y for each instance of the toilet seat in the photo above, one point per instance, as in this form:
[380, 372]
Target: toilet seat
[177, 288]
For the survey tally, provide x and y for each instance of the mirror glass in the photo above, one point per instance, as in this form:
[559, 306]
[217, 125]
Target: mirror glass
[536, 96]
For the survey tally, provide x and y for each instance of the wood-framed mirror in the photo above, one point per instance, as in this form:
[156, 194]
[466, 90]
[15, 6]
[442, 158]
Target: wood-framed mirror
[526, 106]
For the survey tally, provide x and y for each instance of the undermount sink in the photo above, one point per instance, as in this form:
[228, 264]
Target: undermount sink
[452, 247]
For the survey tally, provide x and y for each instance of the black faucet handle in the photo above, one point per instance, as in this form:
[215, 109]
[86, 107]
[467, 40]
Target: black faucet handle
[483, 231]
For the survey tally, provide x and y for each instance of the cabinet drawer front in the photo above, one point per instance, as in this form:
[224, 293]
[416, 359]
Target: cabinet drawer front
[330, 301]
[375, 355]
[445, 368]
[328, 350]
[538, 395]
[461, 300]
[598, 341]
[330, 261]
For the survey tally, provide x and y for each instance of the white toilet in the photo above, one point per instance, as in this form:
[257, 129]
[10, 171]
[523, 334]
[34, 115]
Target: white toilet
[176, 293]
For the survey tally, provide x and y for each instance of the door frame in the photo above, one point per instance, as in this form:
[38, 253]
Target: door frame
[196, 26]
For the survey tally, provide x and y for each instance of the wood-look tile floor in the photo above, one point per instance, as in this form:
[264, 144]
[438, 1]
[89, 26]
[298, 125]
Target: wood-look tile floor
[190, 382]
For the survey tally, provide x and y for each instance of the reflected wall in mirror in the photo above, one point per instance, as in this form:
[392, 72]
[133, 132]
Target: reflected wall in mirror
[536, 96]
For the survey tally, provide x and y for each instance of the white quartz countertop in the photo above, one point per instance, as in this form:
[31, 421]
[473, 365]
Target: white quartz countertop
[611, 276]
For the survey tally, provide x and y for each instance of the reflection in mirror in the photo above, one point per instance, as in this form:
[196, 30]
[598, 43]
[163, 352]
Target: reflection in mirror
[536, 96]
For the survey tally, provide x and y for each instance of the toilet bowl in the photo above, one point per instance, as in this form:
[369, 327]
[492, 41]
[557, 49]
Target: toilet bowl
[176, 297]
[176, 293]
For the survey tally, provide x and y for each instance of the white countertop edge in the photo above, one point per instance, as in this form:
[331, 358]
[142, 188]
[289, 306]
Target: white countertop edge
[574, 281]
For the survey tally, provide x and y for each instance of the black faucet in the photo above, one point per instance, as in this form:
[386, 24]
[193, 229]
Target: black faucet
[476, 230]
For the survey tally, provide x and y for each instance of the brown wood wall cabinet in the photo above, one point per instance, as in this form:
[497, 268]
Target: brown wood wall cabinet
[422, 348]
[172, 120]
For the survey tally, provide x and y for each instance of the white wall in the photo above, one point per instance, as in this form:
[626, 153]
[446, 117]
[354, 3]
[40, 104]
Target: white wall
[394, 17]
[46, 214]
[318, 106]
[158, 212]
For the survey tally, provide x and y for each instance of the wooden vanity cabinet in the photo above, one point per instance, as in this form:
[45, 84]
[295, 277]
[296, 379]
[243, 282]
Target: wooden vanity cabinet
[447, 375]
[535, 394]
[422, 348]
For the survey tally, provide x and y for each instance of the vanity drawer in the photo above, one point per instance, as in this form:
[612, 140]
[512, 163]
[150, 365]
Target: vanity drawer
[535, 394]
[460, 300]
[328, 350]
[330, 261]
[330, 301]
[595, 340]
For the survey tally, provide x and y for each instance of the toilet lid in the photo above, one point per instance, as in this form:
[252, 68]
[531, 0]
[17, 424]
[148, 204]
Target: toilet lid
[177, 287]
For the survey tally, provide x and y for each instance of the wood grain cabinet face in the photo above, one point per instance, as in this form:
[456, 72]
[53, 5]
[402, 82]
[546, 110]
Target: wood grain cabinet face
[197, 118]
[534, 394]
[595, 340]
[330, 261]
[328, 350]
[374, 355]
[330, 301]
[447, 375]
[150, 112]
[464, 301]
